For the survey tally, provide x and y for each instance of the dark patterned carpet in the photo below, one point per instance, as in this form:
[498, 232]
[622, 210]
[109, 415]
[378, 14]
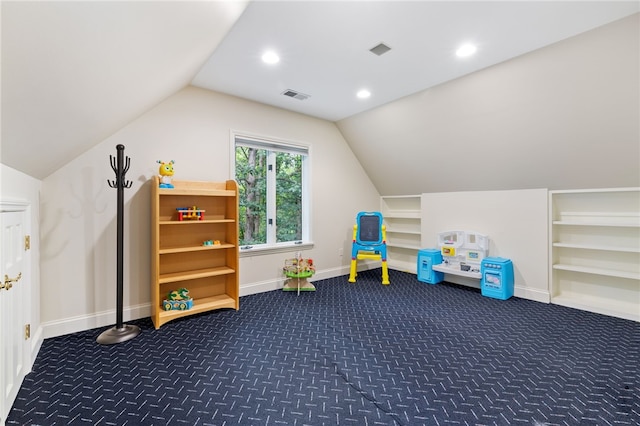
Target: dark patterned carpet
[348, 354]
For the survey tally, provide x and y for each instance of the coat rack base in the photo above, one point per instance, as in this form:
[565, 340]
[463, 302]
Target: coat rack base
[118, 335]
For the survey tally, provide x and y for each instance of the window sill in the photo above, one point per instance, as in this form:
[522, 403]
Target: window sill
[259, 251]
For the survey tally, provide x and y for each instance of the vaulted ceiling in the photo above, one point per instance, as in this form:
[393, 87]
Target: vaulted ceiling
[73, 73]
[325, 47]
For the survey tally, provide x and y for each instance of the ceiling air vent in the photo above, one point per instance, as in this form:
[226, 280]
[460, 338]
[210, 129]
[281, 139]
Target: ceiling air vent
[380, 49]
[295, 95]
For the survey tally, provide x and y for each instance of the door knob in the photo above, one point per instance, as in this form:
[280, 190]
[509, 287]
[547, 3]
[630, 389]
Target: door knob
[8, 282]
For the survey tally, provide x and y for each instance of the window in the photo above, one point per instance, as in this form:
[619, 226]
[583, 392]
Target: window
[272, 179]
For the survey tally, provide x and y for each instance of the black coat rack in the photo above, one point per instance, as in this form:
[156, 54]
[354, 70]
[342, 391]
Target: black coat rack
[121, 332]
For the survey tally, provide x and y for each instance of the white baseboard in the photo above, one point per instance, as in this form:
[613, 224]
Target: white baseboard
[277, 284]
[36, 343]
[34, 348]
[524, 293]
[532, 294]
[107, 318]
[90, 321]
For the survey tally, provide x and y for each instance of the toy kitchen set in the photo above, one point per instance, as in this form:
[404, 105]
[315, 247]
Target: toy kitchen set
[465, 254]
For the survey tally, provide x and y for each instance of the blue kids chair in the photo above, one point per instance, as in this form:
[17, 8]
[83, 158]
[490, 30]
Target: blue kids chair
[369, 242]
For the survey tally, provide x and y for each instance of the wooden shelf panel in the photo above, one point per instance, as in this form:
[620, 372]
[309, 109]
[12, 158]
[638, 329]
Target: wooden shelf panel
[199, 188]
[401, 214]
[193, 275]
[187, 249]
[415, 247]
[598, 214]
[404, 239]
[612, 223]
[402, 203]
[401, 207]
[195, 222]
[198, 192]
[201, 305]
[596, 236]
[598, 271]
[403, 231]
[597, 247]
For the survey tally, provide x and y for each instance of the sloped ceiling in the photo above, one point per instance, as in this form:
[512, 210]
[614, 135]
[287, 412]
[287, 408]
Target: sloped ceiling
[73, 73]
[324, 47]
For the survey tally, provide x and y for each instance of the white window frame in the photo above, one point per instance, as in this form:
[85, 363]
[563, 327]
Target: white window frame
[276, 144]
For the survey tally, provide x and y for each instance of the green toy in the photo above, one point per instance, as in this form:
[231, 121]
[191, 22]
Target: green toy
[178, 300]
[180, 294]
[297, 270]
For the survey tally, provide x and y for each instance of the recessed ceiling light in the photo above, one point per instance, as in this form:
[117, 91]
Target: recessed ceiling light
[466, 50]
[270, 57]
[363, 94]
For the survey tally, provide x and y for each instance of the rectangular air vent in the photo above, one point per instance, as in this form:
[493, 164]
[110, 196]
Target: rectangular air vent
[380, 49]
[295, 95]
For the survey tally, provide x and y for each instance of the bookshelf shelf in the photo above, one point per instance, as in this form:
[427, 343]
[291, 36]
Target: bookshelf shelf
[402, 216]
[595, 250]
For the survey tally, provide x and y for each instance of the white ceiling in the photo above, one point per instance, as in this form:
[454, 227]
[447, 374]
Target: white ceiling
[74, 73]
[324, 47]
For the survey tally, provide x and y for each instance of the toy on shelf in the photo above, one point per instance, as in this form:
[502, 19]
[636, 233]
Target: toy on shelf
[178, 300]
[297, 270]
[190, 213]
[211, 243]
[165, 173]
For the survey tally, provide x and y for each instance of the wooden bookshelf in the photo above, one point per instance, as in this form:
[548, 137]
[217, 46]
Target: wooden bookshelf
[180, 257]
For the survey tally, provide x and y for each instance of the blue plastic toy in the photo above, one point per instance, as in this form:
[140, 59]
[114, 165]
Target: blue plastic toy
[178, 300]
[369, 242]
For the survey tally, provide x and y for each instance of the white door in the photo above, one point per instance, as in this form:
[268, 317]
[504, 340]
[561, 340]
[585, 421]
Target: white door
[13, 308]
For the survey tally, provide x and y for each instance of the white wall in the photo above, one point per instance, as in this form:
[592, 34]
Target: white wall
[193, 129]
[566, 116]
[563, 117]
[515, 222]
[16, 186]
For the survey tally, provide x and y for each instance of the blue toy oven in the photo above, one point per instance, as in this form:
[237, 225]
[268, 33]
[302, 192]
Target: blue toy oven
[497, 278]
[426, 259]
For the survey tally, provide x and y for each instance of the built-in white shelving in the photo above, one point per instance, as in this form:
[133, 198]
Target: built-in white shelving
[595, 250]
[402, 215]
